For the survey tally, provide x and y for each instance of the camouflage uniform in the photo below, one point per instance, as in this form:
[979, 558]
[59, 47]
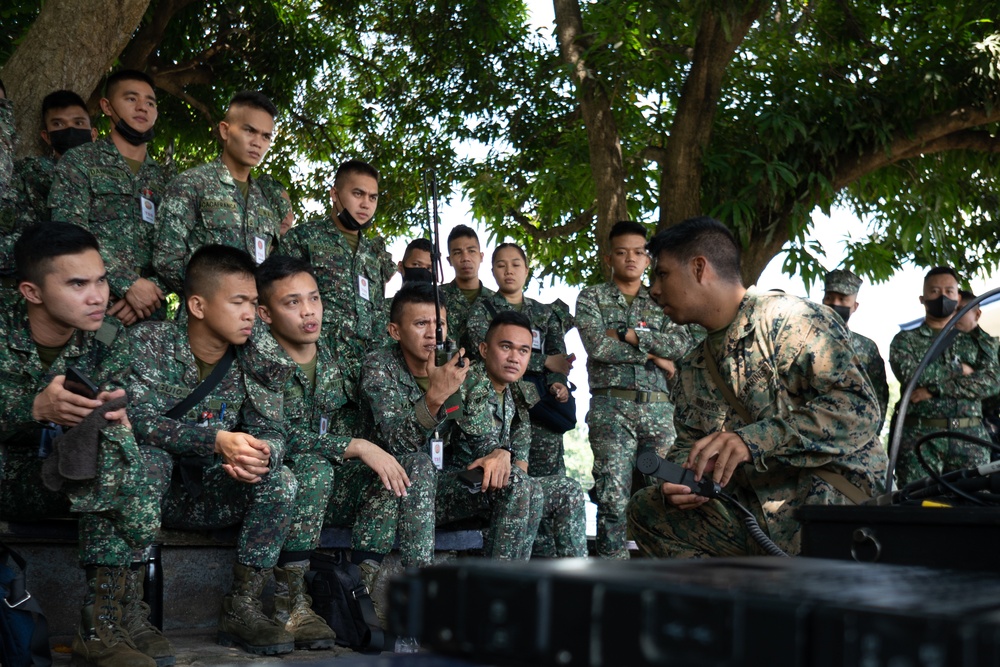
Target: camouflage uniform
[458, 307]
[791, 363]
[355, 323]
[204, 205]
[119, 512]
[163, 374]
[956, 404]
[400, 423]
[339, 492]
[622, 426]
[95, 189]
[32, 182]
[8, 137]
[872, 363]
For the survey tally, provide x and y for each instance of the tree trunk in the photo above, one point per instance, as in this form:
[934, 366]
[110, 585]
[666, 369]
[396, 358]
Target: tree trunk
[71, 45]
[606, 166]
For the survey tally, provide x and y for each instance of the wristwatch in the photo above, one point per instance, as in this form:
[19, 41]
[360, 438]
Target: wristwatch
[622, 333]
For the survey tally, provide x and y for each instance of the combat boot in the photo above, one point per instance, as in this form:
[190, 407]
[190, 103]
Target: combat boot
[369, 575]
[135, 618]
[293, 609]
[102, 640]
[243, 624]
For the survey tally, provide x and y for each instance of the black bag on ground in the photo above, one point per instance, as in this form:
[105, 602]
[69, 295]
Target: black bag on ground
[24, 632]
[344, 602]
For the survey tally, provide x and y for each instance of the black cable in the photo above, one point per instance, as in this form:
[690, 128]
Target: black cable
[942, 479]
[756, 532]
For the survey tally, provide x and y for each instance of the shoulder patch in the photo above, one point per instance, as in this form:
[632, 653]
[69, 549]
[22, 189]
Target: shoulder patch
[107, 333]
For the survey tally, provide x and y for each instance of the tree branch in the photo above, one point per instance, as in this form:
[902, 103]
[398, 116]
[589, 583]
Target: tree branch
[149, 37]
[577, 224]
[971, 140]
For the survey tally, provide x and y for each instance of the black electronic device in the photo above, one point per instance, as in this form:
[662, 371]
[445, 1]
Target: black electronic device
[77, 382]
[648, 463]
[445, 348]
[472, 479]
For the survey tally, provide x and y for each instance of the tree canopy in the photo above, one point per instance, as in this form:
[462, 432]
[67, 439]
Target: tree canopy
[754, 112]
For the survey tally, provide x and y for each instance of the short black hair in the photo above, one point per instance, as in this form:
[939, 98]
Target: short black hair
[702, 236]
[966, 295]
[421, 244]
[278, 267]
[941, 271]
[126, 75]
[507, 317]
[461, 232]
[355, 167]
[211, 262]
[413, 292]
[41, 243]
[624, 227]
[254, 100]
[61, 99]
[500, 247]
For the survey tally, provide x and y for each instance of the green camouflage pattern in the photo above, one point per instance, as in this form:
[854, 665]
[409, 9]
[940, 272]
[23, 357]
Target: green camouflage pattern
[620, 428]
[792, 364]
[164, 372]
[95, 189]
[30, 186]
[203, 206]
[8, 138]
[354, 325]
[457, 307]
[872, 363]
[117, 512]
[954, 395]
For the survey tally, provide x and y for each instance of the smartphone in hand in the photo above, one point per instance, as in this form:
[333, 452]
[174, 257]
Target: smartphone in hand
[77, 382]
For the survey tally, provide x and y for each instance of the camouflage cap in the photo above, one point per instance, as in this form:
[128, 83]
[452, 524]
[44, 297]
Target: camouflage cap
[842, 281]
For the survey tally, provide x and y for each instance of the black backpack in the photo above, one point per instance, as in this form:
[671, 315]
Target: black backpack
[342, 599]
[24, 632]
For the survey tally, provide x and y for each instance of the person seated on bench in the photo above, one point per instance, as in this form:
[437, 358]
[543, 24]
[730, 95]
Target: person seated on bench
[415, 406]
[57, 321]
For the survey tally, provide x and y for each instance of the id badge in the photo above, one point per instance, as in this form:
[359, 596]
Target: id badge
[536, 340]
[437, 451]
[259, 249]
[147, 206]
[363, 288]
[324, 424]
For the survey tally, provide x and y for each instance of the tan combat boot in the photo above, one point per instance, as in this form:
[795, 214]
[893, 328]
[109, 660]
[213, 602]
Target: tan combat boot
[369, 576]
[101, 640]
[146, 636]
[293, 609]
[243, 624]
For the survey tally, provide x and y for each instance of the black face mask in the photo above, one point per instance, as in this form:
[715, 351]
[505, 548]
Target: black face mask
[350, 223]
[941, 306]
[133, 136]
[843, 311]
[417, 274]
[69, 137]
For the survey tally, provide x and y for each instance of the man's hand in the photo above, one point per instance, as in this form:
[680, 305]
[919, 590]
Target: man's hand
[630, 336]
[720, 454]
[245, 458]
[392, 474]
[444, 381]
[496, 469]
[59, 405]
[124, 312]
[967, 369]
[114, 416]
[558, 363]
[560, 391]
[144, 297]
[919, 395]
[681, 497]
[666, 365]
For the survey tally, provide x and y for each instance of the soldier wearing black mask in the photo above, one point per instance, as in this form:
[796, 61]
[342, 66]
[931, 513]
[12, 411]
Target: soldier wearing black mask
[949, 392]
[841, 294]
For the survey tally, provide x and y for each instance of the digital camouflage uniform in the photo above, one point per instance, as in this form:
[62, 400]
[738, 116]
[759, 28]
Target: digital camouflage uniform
[203, 206]
[31, 184]
[197, 493]
[8, 137]
[120, 511]
[956, 404]
[791, 363]
[95, 189]
[622, 426]
[354, 322]
[345, 493]
[401, 424]
[872, 363]
[458, 306]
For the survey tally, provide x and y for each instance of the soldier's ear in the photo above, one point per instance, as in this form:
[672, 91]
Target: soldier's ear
[31, 292]
[394, 330]
[482, 350]
[196, 307]
[264, 314]
[223, 130]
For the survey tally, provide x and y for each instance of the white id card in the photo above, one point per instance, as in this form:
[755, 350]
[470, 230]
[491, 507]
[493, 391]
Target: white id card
[259, 249]
[536, 340]
[148, 207]
[363, 288]
[324, 424]
[437, 452]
